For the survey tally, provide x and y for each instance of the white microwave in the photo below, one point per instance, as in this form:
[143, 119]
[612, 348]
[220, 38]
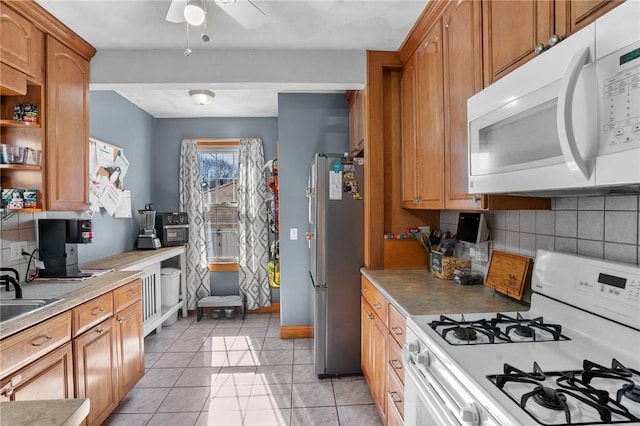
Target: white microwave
[566, 121]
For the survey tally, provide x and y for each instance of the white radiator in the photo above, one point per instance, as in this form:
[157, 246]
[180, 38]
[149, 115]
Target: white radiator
[150, 296]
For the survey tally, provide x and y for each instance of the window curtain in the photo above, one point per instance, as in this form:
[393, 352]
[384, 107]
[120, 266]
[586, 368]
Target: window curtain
[253, 233]
[197, 275]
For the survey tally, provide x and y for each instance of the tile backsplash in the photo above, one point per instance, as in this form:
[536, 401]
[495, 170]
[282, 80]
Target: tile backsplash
[18, 227]
[603, 227]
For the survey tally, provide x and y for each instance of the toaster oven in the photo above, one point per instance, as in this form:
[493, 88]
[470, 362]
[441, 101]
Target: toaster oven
[172, 228]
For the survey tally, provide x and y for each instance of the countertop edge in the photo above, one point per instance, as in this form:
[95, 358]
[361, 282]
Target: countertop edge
[102, 284]
[58, 412]
[364, 271]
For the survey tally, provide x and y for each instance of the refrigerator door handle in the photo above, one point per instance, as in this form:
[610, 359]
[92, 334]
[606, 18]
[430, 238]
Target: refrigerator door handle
[313, 283]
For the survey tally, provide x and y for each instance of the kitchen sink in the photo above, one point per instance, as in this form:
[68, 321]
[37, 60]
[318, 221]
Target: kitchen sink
[10, 309]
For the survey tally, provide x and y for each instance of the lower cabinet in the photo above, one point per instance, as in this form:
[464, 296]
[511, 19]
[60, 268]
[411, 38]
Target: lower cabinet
[96, 362]
[382, 337]
[130, 345]
[50, 377]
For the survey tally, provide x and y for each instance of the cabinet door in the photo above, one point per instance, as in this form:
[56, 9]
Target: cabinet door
[95, 361]
[573, 15]
[408, 110]
[130, 347]
[379, 353]
[50, 377]
[356, 121]
[366, 322]
[21, 44]
[462, 35]
[430, 125]
[67, 128]
[511, 31]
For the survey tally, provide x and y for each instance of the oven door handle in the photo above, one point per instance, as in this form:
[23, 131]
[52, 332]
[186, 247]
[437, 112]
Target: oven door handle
[434, 399]
[184, 226]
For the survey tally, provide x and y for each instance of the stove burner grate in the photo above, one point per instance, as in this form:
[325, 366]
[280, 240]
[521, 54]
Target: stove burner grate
[465, 333]
[525, 327]
[633, 393]
[575, 385]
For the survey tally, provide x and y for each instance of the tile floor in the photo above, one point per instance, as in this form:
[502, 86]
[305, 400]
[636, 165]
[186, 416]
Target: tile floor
[230, 372]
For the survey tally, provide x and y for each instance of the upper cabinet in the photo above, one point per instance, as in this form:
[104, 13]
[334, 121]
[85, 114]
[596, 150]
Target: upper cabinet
[356, 121]
[67, 128]
[462, 31]
[423, 121]
[514, 32]
[511, 32]
[45, 64]
[22, 46]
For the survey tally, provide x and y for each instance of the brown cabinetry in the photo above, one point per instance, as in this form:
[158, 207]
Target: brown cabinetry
[95, 363]
[356, 121]
[382, 338]
[50, 377]
[130, 344]
[41, 67]
[424, 126]
[67, 128]
[514, 32]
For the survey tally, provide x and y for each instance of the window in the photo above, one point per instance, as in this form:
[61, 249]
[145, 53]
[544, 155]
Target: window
[219, 172]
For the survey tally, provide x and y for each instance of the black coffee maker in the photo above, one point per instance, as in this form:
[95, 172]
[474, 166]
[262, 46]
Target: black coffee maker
[58, 241]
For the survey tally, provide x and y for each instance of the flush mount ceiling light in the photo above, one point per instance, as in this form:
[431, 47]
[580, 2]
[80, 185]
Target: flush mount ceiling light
[194, 13]
[202, 97]
[227, 2]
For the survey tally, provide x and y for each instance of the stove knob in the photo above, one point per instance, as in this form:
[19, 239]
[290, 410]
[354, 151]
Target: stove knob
[423, 359]
[414, 347]
[470, 414]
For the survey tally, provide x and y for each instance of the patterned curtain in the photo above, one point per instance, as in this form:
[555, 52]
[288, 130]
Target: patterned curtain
[253, 234]
[197, 276]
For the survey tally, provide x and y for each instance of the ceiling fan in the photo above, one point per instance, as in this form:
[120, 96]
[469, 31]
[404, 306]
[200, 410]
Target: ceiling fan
[245, 12]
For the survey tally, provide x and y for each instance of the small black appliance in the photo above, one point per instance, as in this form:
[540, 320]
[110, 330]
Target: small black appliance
[58, 241]
[172, 228]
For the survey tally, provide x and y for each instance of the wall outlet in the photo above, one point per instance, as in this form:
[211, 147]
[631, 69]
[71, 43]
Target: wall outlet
[481, 252]
[16, 249]
[293, 233]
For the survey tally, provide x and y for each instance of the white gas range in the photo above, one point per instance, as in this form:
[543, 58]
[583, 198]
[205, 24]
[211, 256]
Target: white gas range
[573, 358]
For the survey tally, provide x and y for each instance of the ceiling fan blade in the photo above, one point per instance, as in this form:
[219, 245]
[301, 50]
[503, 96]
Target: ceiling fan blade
[246, 12]
[176, 11]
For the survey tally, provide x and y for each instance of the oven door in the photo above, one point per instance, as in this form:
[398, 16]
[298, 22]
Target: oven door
[423, 406]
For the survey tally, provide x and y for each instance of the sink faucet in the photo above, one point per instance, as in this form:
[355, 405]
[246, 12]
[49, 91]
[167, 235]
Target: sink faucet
[7, 279]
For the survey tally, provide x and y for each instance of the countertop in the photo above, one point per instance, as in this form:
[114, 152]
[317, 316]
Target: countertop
[57, 412]
[71, 293]
[136, 258]
[418, 292]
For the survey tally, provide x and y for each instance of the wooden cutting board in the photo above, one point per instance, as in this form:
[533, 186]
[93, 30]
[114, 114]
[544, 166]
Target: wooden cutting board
[509, 274]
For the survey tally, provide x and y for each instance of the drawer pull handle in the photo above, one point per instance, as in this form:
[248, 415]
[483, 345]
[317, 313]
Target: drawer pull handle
[396, 364]
[100, 330]
[7, 390]
[97, 311]
[132, 293]
[377, 306]
[397, 330]
[395, 397]
[123, 319]
[44, 340]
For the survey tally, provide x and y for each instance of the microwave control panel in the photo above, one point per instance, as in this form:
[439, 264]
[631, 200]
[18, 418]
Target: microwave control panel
[619, 75]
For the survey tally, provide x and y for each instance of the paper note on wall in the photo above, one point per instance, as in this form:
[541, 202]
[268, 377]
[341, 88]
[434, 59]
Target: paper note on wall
[123, 209]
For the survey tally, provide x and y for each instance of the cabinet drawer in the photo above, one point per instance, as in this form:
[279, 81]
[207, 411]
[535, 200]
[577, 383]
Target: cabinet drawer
[91, 313]
[396, 394]
[29, 345]
[397, 325]
[127, 295]
[375, 299]
[395, 360]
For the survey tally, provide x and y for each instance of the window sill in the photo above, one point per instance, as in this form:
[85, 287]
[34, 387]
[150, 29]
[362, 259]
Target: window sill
[223, 267]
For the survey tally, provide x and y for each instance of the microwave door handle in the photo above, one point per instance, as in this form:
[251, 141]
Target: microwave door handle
[568, 144]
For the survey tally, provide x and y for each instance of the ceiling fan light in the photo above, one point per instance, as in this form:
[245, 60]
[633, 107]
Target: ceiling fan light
[194, 14]
[202, 97]
[227, 2]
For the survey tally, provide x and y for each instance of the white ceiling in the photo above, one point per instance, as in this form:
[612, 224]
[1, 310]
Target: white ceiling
[292, 26]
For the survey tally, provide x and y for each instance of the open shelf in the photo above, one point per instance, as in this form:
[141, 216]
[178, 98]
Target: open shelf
[21, 167]
[13, 123]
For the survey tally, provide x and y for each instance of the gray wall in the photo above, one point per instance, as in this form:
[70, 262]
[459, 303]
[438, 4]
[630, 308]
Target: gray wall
[169, 133]
[307, 123]
[117, 121]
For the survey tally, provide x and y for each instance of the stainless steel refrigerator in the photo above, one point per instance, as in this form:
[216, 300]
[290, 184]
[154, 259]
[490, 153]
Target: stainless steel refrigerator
[336, 243]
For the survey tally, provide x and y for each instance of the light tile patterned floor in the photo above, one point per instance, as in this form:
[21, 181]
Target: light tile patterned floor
[233, 373]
